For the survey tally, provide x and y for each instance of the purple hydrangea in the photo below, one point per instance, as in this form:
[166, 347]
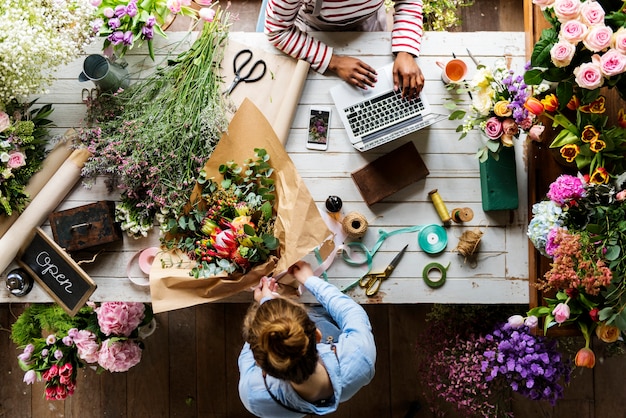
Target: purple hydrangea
[566, 188]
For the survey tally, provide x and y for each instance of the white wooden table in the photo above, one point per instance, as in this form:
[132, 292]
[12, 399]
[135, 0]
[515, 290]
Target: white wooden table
[500, 274]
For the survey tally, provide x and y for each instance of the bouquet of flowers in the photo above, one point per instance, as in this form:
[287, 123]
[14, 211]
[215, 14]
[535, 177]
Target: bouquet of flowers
[126, 23]
[586, 239]
[497, 109]
[22, 151]
[230, 228]
[54, 345]
[584, 50]
[37, 37]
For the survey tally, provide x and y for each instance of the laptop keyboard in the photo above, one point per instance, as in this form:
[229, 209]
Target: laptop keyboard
[385, 110]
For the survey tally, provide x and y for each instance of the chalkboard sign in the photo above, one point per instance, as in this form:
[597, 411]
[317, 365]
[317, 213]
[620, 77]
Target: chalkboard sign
[57, 272]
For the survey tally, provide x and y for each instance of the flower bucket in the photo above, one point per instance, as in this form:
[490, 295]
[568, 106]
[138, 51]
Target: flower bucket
[108, 76]
[498, 181]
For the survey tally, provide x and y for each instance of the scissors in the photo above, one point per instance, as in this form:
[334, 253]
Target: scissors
[247, 78]
[371, 281]
[89, 94]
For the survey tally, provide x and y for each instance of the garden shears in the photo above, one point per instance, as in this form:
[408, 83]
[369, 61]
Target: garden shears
[248, 77]
[372, 281]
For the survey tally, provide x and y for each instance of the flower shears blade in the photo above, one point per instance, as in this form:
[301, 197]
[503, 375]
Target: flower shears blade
[371, 281]
[253, 73]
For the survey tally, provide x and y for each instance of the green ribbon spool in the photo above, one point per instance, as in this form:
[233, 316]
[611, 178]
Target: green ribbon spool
[440, 268]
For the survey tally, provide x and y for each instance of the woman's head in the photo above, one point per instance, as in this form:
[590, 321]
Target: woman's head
[282, 338]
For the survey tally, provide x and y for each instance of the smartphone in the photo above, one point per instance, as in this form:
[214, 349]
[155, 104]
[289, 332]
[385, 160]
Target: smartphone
[319, 124]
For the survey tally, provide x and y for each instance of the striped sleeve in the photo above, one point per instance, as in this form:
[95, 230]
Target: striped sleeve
[281, 31]
[407, 30]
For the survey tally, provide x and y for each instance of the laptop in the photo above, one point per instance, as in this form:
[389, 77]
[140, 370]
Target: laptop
[379, 115]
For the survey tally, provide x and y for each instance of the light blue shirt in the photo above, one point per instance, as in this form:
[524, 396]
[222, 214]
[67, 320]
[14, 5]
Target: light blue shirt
[349, 371]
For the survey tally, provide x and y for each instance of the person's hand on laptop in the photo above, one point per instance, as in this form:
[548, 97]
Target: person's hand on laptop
[407, 75]
[353, 71]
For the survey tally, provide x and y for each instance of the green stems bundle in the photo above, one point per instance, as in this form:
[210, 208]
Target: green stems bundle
[167, 128]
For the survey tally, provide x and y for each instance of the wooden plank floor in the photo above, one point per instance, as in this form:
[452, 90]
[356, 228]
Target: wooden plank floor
[189, 368]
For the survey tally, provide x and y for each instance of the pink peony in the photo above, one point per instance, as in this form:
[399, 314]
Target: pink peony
[493, 128]
[87, 346]
[612, 63]
[618, 42]
[566, 9]
[592, 13]
[5, 122]
[588, 75]
[120, 318]
[566, 188]
[573, 31]
[119, 356]
[598, 38]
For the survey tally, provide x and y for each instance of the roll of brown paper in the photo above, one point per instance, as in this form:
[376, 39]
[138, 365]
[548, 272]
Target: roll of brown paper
[284, 117]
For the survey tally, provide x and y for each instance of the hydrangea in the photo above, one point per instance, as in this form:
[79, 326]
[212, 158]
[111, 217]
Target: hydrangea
[547, 215]
[38, 37]
[119, 356]
[566, 188]
[120, 318]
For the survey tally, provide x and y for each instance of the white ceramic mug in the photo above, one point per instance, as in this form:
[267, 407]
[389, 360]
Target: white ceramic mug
[454, 71]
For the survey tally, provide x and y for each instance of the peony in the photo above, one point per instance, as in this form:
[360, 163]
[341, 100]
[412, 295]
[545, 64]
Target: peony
[619, 40]
[562, 53]
[573, 31]
[607, 333]
[567, 9]
[119, 356]
[598, 38]
[588, 75]
[16, 160]
[561, 313]
[493, 128]
[612, 63]
[120, 318]
[592, 13]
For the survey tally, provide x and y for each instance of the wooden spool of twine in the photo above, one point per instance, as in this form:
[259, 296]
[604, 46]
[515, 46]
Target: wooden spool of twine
[354, 225]
[468, 243]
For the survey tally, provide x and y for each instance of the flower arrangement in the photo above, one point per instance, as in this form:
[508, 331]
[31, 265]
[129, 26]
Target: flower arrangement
[583, 50]
[230, 228]
[586, 241]
[126, 23]
[497, 109]
[37, 37]
[54, 345]
[155, 161]
[474, 362]
[22, 150]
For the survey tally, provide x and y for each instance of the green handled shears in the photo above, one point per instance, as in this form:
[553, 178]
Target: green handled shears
[372, 281]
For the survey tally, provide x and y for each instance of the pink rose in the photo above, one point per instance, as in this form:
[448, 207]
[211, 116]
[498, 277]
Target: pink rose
[5, 122]
[598, 38]
[119, 356]
[618, 42]
[120, 318]
[87, 346]
[16, 160]
[493, 128]
[561, 313]
[566, 9]
[509, 127]
[535, 132]
[543, 3]
[588, 75]
[573, 31]
[562, 53]
[612, 63]
[592, 13]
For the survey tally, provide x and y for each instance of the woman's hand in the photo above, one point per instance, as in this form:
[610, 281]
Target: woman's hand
[407, 75]
[267, 287]
[301, 270]
[353, 71]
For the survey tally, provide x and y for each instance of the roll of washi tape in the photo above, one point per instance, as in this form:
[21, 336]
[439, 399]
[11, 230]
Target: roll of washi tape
[146, 257]
[142, 259]
[435, 267]
[460, 215]
[440, 206]
[354, 225]
[432, 239]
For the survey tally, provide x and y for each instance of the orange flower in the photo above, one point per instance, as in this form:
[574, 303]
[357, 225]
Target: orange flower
[621, 119]
[597, 145]
[573, 103]
[607, 333]
[534, 106]
[597, 106]
[599, 176]
[585, 358]
[569, 152]
[550, 103]
[589, 134]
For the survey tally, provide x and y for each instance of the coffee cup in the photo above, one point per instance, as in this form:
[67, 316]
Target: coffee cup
[454, 71]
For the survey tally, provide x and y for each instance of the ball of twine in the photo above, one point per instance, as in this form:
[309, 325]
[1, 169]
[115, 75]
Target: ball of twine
[468, 242]
[354, 225]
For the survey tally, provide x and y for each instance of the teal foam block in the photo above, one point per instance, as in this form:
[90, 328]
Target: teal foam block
[498, 181]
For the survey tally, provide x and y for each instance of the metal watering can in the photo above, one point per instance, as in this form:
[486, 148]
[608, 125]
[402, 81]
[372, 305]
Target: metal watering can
[108, 76]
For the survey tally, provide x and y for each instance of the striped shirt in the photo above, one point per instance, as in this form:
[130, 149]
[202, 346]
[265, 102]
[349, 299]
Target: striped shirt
[281, 31]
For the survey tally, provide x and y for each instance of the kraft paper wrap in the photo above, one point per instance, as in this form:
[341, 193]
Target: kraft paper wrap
[41, 206]
[51, 164]
[299, 224]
